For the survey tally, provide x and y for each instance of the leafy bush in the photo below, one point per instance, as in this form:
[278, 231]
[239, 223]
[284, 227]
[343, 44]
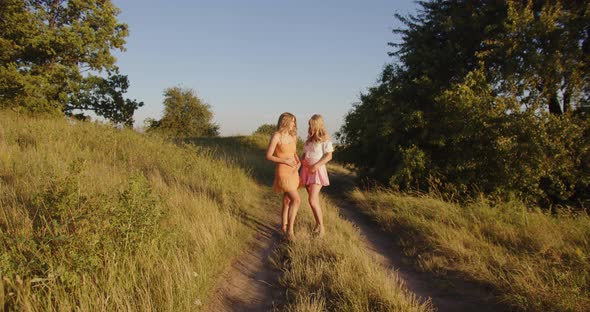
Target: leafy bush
[266, 129]
[185, 115]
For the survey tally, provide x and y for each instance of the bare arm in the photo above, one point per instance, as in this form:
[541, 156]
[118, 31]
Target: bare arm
[324, 160]
[303, 157]
[298, 161]
[270, 150]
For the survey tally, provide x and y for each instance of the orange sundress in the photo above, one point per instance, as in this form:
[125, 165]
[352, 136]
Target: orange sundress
[286, 177]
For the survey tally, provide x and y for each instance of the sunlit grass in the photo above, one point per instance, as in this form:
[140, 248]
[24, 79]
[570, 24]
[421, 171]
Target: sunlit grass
[535, 261]
[95, 218]
[334, 273]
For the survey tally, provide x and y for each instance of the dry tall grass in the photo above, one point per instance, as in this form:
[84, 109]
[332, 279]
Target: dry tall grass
[336, 273]
[333, 273]
[95, 218]
[534, 261]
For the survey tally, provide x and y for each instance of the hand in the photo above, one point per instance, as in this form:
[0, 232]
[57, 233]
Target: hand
[313, 168]
[291, 162]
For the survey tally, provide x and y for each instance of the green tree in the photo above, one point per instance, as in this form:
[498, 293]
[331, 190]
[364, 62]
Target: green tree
[104, 96]
[482, 100]
[266, 129]
[185, 115]
[542, 54]
[50, 50]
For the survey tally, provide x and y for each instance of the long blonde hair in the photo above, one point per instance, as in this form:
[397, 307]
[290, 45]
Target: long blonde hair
[317, 130]
[283, 123]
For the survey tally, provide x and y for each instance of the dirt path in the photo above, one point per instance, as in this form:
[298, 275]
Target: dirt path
[251, 282]
[446, 294]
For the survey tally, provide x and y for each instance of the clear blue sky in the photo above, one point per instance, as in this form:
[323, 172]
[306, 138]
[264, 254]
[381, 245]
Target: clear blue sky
[252, 60]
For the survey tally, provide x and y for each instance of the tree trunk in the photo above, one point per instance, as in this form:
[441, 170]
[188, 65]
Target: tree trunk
[566, 101]
[54, 10]
[554, 107]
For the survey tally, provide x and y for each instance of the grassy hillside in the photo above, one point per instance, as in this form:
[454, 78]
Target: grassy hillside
[97, 218]
[534, 261]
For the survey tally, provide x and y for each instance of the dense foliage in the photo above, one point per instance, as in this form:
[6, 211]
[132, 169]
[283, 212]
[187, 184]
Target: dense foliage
[487, 96]
[185, 115]
[52, 53]
[266, 129]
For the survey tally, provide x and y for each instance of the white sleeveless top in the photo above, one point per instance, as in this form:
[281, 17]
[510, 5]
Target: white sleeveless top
[315, 151]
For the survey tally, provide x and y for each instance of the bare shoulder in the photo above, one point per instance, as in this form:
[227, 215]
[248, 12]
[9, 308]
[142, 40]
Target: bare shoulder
[275, 136]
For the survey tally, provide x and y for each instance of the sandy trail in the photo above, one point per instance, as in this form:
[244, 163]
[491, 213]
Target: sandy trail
[251, 282]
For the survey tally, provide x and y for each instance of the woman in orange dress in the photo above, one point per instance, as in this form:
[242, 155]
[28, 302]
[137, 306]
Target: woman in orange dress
[282, 151]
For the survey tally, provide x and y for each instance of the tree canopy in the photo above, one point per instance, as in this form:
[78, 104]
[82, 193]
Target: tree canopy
[484, 96]
[185, 115]
[52, 53]
[266, 129]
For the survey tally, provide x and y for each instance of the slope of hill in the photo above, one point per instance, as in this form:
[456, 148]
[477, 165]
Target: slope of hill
[97, 218]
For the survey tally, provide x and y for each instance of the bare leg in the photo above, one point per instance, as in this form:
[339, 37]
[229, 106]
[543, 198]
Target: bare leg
[286, 202]
[314, 202]
[295, 202]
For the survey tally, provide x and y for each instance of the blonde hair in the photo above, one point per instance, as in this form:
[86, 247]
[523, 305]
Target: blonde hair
[317, 130]
[283, 123]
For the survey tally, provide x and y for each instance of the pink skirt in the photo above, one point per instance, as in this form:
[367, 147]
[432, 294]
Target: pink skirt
[320, 176]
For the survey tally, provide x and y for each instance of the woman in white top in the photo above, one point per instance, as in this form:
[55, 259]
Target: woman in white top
[316, 153]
